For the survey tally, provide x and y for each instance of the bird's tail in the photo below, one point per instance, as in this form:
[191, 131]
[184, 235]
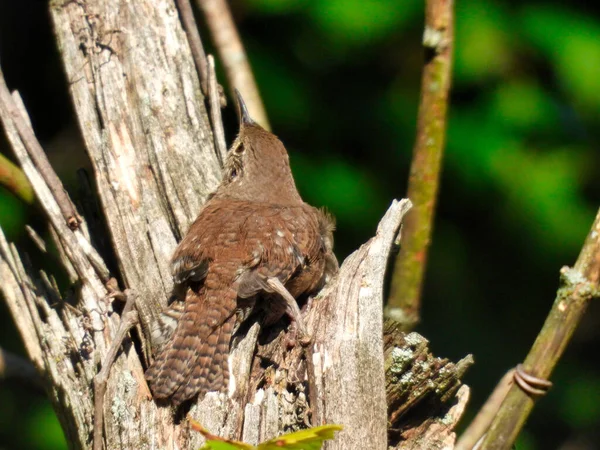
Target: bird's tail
[194, 360]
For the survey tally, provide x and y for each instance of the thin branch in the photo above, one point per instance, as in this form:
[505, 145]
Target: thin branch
[481, 423]
[13, 179]
[198, 53]
[62, 255]
[75, 223]
[409, 269]
[36, 153]
[578, 286]
[37, 239]
[129, 319]
[13, 366]
[233, 56]
[80, 250]
[215, 111]
[13, 110]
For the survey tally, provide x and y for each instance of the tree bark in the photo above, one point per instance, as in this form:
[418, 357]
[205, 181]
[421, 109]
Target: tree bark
[143, 119]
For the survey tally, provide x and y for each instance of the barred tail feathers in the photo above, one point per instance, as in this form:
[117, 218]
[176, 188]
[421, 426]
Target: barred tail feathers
[194, 361]
[211, 371]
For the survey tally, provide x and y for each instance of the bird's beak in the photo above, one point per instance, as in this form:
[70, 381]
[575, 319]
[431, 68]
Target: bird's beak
[243, 114]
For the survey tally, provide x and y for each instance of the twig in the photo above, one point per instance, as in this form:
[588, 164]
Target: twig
[15, 293]
[13, 179]
[92, 255]
[404, 300]
[486, 414]
[72, 235]
[233, 56]
[578, 286]
[13, 366]
[36, 238]
[37, 155]
[191, 29]
[215, 112]
[63, 255]
[72, 240]
[129, 319]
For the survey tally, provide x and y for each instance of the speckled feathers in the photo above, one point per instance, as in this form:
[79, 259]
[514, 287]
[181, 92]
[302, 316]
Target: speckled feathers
[255, 228]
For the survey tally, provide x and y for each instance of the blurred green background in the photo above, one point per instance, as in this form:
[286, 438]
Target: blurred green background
[341, 80]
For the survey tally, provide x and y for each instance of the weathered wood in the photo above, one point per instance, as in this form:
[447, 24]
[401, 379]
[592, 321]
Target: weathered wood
[140, 109]
[141, 113]
[425, 395]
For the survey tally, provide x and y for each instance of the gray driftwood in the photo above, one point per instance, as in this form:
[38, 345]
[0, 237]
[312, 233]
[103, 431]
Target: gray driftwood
[143, 119]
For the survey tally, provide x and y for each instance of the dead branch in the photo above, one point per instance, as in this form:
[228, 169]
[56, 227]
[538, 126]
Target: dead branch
[231, 52]
[37, 155]
[579, 285]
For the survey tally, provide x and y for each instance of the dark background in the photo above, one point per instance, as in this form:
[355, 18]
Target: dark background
[341, 80]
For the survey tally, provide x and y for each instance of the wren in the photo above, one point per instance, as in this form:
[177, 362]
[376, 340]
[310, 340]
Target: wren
[255, 244]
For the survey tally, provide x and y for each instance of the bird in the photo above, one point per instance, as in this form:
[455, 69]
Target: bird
[254, 245]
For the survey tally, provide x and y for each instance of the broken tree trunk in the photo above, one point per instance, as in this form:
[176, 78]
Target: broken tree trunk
[143, 119]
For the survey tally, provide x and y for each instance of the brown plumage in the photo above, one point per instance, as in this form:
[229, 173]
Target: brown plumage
[254, 244]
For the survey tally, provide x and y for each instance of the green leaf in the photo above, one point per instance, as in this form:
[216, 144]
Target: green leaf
[355, 23]
[482, 40]
[310, 439]
[349, 192]
[578, 403]
[272, 7]
[214, 442]
[222, 445]
[575, 55]
[523, 105]
[12, 215]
